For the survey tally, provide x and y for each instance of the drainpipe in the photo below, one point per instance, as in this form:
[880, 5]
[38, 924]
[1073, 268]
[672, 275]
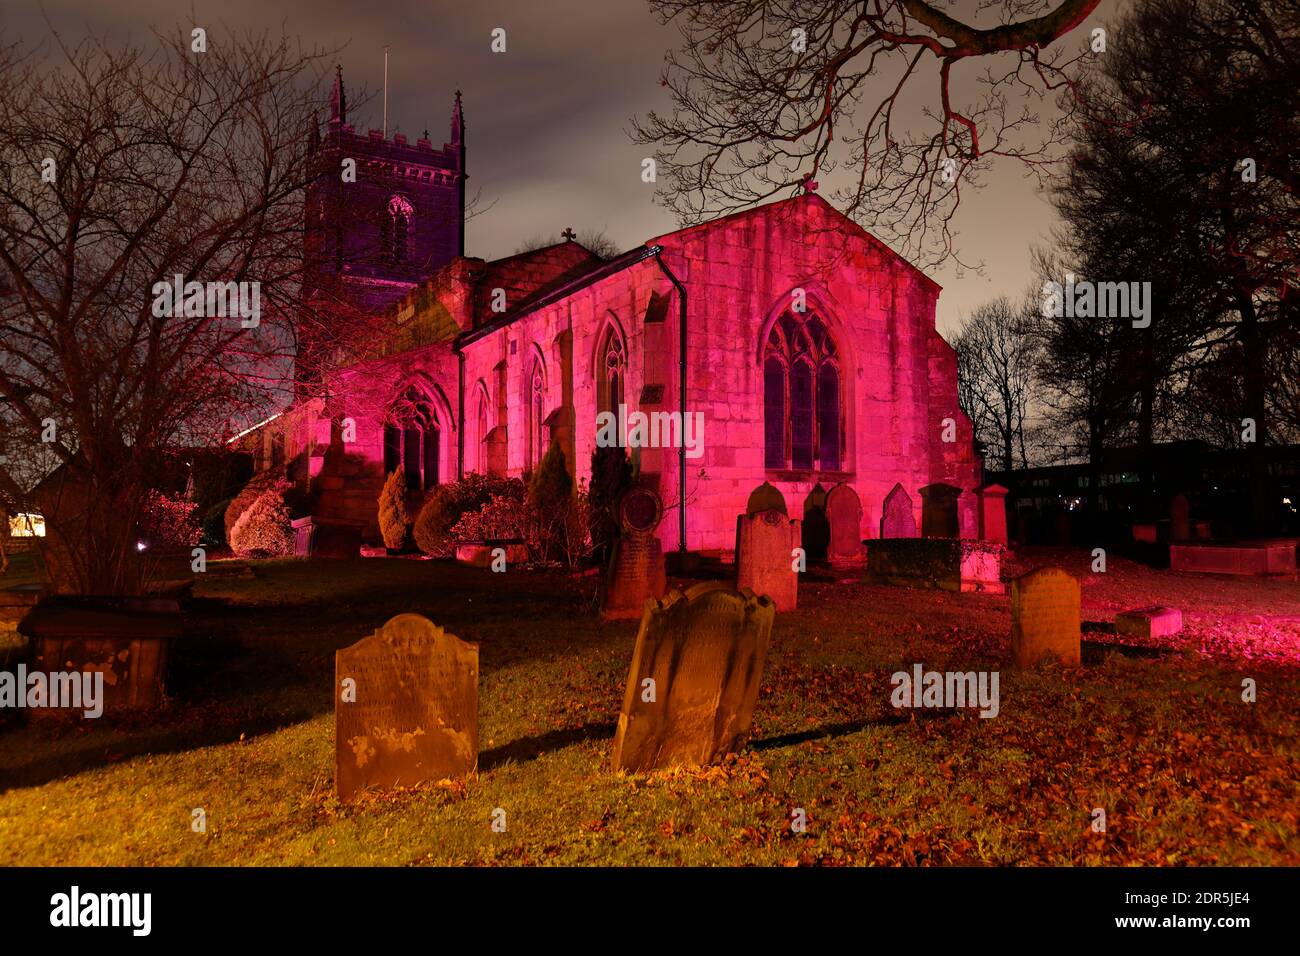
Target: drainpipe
[460, 414]
[681, 395]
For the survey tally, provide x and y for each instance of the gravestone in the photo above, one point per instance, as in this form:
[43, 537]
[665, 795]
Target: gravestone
[326, 537]
[939, 511]
[897, 519]
[636, 568]
[993, 513]
[1149, 622]
[766, 497]
[411, 712]
[844, 512]
[764, 559]
[1045, 617]
[127, 639]
[816, 530]
[1180, 518]
[694, 678]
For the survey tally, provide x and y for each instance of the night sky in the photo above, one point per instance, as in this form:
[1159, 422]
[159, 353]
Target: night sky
[546, 121]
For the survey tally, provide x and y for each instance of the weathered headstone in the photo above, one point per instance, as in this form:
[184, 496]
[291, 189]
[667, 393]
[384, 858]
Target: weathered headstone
[405, 707]
[844, 512]
[993, 513]
[764, 557]
[766, 497]
[694, 678]
[816, 530]
[1045, 617]
[1180, 518]
[897, 519]
[939, 511]
[636, 569]
[128, 640]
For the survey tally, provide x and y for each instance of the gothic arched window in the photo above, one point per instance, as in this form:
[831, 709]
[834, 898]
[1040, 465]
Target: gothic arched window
[802, 420]
[395, 229]
[612, 372]
[482, 434]
[413, 441]
[536, 418]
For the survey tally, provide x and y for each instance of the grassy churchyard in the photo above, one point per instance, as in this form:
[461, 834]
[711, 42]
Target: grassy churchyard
[1159, 737]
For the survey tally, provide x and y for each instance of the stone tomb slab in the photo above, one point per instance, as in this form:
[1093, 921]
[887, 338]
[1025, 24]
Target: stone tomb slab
[704, 650]
[1045, 617]
[764, 557]
[414, 717]
[1148, 622]
[1264, 557]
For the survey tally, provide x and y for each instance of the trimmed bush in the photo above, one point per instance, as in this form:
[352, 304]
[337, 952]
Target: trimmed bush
[452, 501]
[256, 487]
[263, 530]
[394, 517]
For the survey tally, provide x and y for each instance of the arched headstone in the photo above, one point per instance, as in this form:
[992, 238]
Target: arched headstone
[815, 536]
[765, 545]
[405, 707]
[694, 679]
[766, 497]
[636, 569]
[897, 519]
[844, 512]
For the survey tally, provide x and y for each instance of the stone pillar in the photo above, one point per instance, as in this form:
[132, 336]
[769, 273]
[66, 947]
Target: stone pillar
[992, 513]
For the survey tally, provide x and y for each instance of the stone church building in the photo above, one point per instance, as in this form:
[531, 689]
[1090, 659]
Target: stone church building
[807, 346]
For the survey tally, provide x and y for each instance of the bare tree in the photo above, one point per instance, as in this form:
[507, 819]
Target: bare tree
[122, 168]
[1190, 184]
[769, 94]
[996, 356]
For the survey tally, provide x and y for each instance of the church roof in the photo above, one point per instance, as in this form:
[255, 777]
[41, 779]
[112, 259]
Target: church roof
[575, 280]
[583, 273]
[795, 205]
[526, 276]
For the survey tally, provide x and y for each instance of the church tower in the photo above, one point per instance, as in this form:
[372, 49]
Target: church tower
[382, 213]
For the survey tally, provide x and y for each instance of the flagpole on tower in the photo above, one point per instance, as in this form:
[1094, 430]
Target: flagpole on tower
[385, 92]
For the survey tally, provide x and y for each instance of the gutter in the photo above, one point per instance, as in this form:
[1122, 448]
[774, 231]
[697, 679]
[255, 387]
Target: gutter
[460, 413]
[681, 394]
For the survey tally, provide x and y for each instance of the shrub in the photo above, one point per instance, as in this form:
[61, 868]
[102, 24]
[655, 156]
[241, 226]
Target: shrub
[263, 529]
[550, 498]
[168, 521]
[611, 475]
[500, 518]
[394, 518]
[574, 538]
[256, 487]
[450, 502]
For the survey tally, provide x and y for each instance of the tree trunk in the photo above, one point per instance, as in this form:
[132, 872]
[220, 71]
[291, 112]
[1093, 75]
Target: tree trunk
[1253, 348]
